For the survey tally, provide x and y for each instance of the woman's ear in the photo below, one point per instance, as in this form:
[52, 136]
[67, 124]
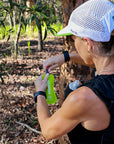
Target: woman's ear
[88, 42]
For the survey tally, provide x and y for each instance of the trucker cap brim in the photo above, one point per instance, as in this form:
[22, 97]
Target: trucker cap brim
[64, 32]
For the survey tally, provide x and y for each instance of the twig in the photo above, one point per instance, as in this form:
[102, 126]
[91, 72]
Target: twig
[34, 130]
[51, 142]
[3, 141]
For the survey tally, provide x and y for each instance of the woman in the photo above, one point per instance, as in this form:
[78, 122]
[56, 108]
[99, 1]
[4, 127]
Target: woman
[87, 114]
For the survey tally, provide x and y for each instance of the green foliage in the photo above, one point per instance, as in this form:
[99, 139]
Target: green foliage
[43, 15]
[29, 51]
[56, 26]
[2, 15]
[33, 31]
[6, 8]
[5, 32]
[55, 6]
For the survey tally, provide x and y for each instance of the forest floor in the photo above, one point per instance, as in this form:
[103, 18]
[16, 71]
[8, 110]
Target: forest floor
[17, 107]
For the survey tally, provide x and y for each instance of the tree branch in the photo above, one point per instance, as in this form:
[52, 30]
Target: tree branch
[34, 130]
[27, 126]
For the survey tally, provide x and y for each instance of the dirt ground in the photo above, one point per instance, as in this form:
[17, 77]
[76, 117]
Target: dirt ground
[18, 117]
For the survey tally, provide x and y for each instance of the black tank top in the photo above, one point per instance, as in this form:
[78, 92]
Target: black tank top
[103, 87]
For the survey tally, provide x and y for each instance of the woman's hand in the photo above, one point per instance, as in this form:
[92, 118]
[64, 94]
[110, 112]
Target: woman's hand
[40, 84]
[53, 62]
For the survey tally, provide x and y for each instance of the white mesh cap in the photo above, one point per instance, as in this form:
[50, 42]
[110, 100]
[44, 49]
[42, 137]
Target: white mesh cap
[93, 19]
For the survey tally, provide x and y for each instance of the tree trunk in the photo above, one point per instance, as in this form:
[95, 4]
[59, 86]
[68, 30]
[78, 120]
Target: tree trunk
[14, 18]
[69, 72]
[31, 3]
[17, 35]
[40, 42]
[11, 21]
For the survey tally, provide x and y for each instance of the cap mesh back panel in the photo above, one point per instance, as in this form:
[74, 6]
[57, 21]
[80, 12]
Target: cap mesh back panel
[89, 14]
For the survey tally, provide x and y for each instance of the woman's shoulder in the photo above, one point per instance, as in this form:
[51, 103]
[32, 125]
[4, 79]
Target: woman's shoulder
[87, 94]
[101, 86]
[82, 95]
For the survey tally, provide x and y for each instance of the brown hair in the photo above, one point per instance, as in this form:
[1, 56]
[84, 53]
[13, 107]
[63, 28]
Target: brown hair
[105, 48]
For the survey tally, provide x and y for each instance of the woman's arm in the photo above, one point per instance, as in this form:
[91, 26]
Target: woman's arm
[64, 119]
[58, 60]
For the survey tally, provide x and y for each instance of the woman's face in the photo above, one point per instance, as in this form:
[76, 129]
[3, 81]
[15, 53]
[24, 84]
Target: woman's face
[82, 48]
